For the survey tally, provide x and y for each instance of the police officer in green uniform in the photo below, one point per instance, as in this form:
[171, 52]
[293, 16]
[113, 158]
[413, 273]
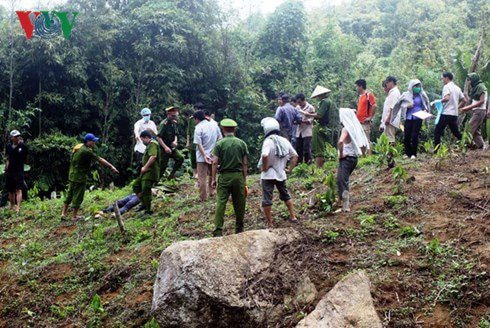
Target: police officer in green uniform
[80, 164]
[230, 160]
[150, 172]
[167, 138]
[327, 127]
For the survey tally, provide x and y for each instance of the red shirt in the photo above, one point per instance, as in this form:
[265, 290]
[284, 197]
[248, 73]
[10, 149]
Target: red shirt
[362, 106]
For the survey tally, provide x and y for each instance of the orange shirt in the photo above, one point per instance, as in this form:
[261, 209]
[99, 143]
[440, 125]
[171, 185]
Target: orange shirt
[362, 106]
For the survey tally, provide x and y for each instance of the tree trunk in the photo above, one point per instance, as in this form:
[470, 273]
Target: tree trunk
[474, 61]
[39, 103]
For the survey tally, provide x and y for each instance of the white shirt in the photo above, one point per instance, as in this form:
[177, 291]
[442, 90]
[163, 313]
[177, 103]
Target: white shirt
[304, 129]
[206, 134]
[276, 165]
[389, 103]
[482, 106]
[455, 96]
[139, 127]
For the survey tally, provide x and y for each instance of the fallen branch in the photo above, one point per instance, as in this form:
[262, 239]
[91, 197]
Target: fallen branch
[119, 220]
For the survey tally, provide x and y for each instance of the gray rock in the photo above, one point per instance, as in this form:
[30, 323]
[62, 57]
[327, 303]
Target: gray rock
[347, 305]
[204, 283]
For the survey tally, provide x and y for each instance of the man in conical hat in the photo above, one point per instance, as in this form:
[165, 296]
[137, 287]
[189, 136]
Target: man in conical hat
[327, 126]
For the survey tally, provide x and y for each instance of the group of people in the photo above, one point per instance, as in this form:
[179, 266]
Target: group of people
[297, 133]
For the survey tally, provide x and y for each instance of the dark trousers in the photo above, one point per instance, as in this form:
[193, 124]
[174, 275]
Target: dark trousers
[411, 137]
[444, 121]
[346, 167]
[124, 204]
[303, 148]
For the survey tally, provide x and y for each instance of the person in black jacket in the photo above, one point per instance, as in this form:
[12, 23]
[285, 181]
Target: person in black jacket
[14, 169]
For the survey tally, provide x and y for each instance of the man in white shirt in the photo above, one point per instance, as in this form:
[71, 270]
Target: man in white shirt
[390, 101]
[276, 152]
[144, 124]
[453, 99]
[206, 135]
[304, 132]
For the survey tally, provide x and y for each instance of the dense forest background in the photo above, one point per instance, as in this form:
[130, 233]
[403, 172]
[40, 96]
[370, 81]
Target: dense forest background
[125, 55]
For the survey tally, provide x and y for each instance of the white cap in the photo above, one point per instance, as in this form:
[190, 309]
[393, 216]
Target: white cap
[14, 133]
[269, 124]
[319, 90]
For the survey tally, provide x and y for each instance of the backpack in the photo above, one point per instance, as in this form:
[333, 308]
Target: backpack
[368, 112]
[76, 148]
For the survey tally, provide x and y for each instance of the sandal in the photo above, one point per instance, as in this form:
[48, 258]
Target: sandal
[293, 220]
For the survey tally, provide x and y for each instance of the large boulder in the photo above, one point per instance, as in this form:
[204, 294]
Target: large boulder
[210, 282]
[347, 305]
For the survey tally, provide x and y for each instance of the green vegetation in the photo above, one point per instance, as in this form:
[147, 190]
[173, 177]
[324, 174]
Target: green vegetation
[329, 197]
[396, 201]
[86, 273]
[182, 52]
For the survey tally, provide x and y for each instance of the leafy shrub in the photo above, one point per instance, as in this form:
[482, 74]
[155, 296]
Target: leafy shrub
[396, 201]
[366, 220]
[302, 170]
[400, 175]
[49, 157]
[328, 198]
[329, 236]
[409, 231]
[442, 153]
[385, 150]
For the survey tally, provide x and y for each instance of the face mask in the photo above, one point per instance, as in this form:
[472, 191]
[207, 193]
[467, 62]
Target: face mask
[146, 118]
[417, 90]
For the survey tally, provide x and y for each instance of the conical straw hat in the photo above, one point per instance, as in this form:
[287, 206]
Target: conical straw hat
[319, 90]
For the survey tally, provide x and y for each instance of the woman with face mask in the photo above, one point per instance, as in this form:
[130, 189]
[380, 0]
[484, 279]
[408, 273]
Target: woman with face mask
[410, 102]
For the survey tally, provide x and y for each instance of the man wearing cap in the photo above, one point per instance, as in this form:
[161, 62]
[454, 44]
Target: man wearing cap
[167, 138]
[150, 172]
[205, 137]
[230, 159]
[80, 164]
[287, 116]
[145, 123]
[14, 169]
[276, 152]
[328, 125]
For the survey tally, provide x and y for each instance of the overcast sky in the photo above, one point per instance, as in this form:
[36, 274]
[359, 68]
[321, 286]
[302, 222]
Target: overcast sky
[244, 6]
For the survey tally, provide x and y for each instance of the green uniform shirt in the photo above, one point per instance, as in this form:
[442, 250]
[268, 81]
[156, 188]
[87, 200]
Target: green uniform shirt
[230, 151]
[80, 164]
[328, 114]
[152, 149]
[167, 130]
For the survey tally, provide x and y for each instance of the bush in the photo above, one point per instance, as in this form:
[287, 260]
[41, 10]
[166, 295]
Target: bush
[327, 199]
[49, 158]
